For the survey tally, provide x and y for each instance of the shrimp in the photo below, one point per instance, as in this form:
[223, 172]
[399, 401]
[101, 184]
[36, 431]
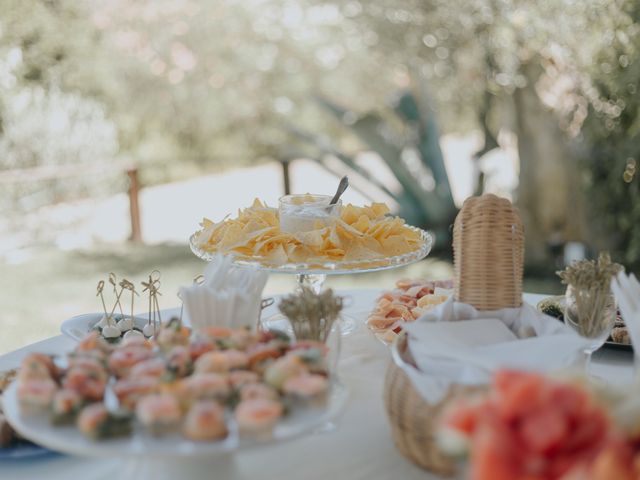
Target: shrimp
[89, 384]
[236, 359]
[93, 341]
[241, 339]
[251, 391]
[216, 333]
[205, 421]
[96, 422]
[260, 354]
[173, 334]
[309, 387]
[37, 366]
[152, 368]
[65, 406]
[130, 390]
[135, 341]
[199, 347]
[282, 369]
[87, 362]
[159, 413]
[179, 361]
[258, 416]
[123, 359]
[215, 362]
[206, 386]
[237, 378]
[36, 394]
[92, 418]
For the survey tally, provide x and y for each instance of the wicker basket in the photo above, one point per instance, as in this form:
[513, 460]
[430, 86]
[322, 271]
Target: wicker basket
[414, 420]
[488, 253]
[488, 244]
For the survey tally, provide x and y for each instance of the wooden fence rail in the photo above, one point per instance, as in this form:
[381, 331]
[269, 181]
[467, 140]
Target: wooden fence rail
[55, 172]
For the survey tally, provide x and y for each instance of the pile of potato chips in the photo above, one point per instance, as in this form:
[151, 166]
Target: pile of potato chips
[360, 233]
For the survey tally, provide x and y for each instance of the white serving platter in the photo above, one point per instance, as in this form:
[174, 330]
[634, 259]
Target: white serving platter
[77, 327]
[68, 439]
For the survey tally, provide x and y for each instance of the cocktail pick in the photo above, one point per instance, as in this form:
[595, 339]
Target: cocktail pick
[113, 281]
[99, 293]
[118, 294]
[155, 292]
[266, 302]
[127, 285]
[147, 288]
[152, 286]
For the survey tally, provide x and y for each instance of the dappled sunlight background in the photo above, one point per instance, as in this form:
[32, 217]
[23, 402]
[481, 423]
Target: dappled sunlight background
[421, 102]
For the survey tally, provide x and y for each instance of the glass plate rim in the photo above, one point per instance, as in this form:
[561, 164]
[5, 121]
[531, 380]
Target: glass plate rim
[331, 267]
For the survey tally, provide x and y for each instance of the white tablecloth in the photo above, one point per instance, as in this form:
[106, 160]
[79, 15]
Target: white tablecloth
[360, 447]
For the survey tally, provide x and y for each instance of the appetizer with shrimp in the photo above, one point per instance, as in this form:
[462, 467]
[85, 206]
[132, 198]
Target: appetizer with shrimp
[200, 385]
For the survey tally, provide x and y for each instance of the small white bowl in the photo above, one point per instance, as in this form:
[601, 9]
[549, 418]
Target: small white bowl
[79, 326]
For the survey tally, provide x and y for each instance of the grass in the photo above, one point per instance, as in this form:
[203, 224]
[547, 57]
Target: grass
[39, 293]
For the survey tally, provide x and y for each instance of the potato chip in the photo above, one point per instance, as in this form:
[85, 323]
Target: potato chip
[396, 245]
[361, 233]
[363, 224]
[277, 256]
[313, 239]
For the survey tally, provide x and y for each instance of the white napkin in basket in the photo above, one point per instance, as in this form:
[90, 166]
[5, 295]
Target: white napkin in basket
[230, 296]
[455, 343]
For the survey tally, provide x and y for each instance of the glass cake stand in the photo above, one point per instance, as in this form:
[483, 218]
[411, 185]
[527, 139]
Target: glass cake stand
[313, 275]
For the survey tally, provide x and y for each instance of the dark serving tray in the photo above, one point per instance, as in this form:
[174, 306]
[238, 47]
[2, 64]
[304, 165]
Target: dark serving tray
[621, 347]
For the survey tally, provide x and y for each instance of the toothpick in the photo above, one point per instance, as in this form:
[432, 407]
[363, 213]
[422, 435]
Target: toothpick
[118, 294]
[99, 294]
[147, 287]
[112, 281]
[267, 302]
[156, 292]
[152, 286]
[127, 285]
[181, 306]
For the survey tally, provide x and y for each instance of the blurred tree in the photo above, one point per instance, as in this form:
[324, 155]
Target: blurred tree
[41, 124]
[520, 66]
[191, 79]
[611, 133]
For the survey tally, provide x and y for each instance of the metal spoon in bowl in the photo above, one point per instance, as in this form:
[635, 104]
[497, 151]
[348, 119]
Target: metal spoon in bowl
[342, 186]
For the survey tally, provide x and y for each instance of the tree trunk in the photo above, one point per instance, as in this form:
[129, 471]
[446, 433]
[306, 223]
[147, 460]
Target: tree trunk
[548, 195]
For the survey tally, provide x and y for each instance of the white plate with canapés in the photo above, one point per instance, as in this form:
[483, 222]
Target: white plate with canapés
[68, 439]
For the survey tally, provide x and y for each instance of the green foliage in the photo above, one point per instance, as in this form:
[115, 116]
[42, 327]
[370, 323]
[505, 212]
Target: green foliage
[407, 139]
[170, 85]
[612, 133]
